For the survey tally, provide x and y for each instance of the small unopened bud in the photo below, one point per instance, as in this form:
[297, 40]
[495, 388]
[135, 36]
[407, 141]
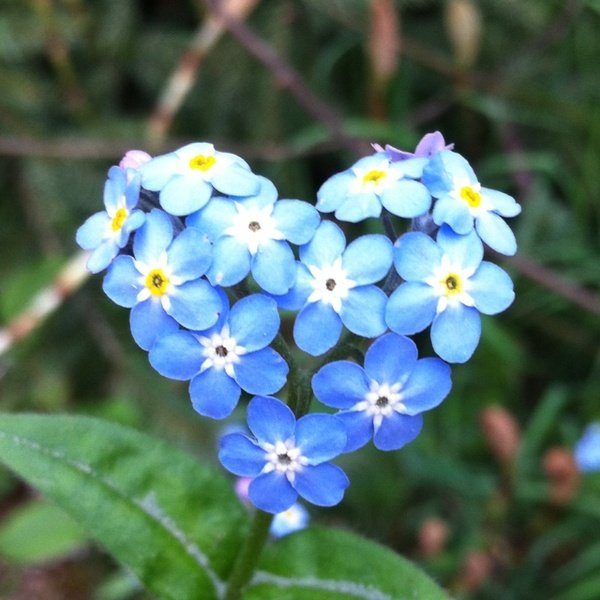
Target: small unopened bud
[464, 27]
[476, 570]
[432, 537]
[562, 473]
[134, 159]
[384, 39]
[501, 432]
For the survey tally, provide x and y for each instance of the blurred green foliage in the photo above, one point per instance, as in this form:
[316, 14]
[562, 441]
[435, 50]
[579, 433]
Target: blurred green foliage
[515, 87]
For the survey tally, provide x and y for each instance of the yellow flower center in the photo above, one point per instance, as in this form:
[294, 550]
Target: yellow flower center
[157, 282]
[452, 284]
[470, 196]
[119, 219]
[375, 176]
[202, 163]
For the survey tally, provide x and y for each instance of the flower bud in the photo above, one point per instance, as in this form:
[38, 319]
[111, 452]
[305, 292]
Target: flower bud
[562, 473]
[432, 537]
[464, 27]
[501, 432]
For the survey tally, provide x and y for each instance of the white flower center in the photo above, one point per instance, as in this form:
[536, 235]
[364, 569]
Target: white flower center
[254, 226]
[374, 179]
[470, 194]
[221, 351]
[451, 284]
[381, 401]
[284, 458]
[330, 284]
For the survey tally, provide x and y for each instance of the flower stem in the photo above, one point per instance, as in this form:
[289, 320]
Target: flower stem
[247, 559]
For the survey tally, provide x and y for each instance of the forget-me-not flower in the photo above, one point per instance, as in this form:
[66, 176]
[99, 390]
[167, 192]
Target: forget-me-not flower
[108, 231]
[226, 359]
[375, 181]
[187, 177]
[383, 401]
[464, 204]
[287, 458]
[587, 449]
[334, 286]
[161, 282]
[446, 285]
[252, 234]
[295, 518]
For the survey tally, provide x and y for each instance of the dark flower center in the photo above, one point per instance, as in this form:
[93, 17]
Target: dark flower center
[284, 459]
[254, 226]
[382, 401]
[330, 284]
[221, 351]
[451, 283]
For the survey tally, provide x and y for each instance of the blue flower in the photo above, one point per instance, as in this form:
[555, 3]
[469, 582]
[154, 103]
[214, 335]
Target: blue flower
[384, 400]
[295, 518]
[187, 177]
[429, 144]
[334, 287]
[587, 449]
[447, 286]
[162, 282]
[359, 192]
[108, 231]
[226, 359]
[250, 234]
[463, 203]
[287, 458]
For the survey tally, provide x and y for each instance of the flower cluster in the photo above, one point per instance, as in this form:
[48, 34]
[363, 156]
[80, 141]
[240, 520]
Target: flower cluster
[207, 257]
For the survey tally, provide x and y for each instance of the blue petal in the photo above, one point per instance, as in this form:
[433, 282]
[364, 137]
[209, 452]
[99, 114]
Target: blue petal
[297, 220]
[261, 372]
[185, 194]
[177, 356]
[455, 333]
[149, 322]
[299, 293]
[122, 282]
[494, 231]
[317, 328]
[326, 246]
[274, 267]
[236, 180]
[272, 492]
[132, 191]
[254, 321]
[157, 172]
[358, 207]
[416, 256]
[411, 308]
[334, 191]
[320, 437]
[397, 430]
[270, 420]
[214, 394]
[502, 203]
[411, 167]
[363, 311]
[323, 485]
[152, 239]
[240, 455]
[464, 250]
[102, 256]
[195, 305]
[491, 289]
[266, 194]
[428, 384]
[134, 221]
[190, 254]
[340, 384]
[407, 199]
[231, 262]
[368, 259]
[214, 218]
[359, 428]
[91, 234]
[390, 358]
[435, 177]
[114, 187]
[454, 212]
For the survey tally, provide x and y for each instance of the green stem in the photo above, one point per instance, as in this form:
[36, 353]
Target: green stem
[247, 559]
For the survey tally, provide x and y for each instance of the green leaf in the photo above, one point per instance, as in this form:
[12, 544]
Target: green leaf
[175, 523]
[38, 531]
[321, 564]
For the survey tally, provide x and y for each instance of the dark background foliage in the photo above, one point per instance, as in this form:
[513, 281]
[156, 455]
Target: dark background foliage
[487, 500]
